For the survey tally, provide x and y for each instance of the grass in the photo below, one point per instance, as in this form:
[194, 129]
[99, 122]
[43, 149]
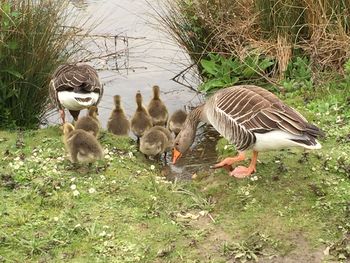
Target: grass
[120, 209]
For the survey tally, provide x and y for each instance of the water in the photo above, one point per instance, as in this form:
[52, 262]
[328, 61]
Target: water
[146, 56]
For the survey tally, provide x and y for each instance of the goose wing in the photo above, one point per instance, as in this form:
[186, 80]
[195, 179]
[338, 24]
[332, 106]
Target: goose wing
[259, 111]
[71, 76]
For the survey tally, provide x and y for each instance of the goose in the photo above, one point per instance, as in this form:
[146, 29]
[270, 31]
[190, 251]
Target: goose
[81, 145]
[249, 117]
[157, 109]
[75, 87]
[90, 122]
[155, 141]
[118, 122]
[141, 121]
[176, 121]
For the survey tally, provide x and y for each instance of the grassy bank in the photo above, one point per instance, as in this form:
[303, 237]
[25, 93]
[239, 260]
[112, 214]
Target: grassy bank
[295, 207]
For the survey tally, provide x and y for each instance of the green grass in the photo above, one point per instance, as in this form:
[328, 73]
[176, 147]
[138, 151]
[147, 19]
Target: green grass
[294, 207]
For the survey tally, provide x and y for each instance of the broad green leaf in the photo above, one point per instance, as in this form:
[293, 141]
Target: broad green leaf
[209, 66]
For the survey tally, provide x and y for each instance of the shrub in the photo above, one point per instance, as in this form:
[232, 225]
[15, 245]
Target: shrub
[33, 42]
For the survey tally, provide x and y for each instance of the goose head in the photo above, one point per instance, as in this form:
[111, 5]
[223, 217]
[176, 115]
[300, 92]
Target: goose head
[183, 141]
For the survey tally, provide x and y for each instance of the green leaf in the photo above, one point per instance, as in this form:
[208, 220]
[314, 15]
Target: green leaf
[209, 66]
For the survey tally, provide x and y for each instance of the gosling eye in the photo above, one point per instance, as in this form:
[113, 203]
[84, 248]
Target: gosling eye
[177, 144]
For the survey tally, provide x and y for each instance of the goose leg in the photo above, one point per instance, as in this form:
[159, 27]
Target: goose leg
[241, 171]
[227, 162]
[63, 115]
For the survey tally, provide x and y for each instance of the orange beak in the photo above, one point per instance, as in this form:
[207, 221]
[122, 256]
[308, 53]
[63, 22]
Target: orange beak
[176, 155]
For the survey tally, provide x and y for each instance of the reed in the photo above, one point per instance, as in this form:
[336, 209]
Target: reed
[33, 42]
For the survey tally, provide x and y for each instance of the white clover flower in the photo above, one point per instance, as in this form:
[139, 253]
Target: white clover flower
[73, 187]
[106, 151]
[114, 182]
[102, 234]
[76, 193]
[138, 172]
[107, 156]
[153, 167]
[102, 177]
[31, 170]
[92, 190]
[72, 179]
[55, 219]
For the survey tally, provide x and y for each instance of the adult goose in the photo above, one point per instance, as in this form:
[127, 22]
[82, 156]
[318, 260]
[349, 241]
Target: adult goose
[250, 117]
[75, 87]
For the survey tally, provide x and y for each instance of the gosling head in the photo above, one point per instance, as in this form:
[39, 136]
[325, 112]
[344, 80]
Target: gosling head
[67, 128]
[93, 112]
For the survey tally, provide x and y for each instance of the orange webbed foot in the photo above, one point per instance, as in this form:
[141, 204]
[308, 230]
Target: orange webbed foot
[227, 162]
[242, 172]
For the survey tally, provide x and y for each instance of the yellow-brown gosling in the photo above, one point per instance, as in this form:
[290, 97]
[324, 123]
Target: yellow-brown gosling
[90, 122]
[157, 109]
[118, 122]
[141, 121]
[81, 145]
[176, 121]
[155, 141]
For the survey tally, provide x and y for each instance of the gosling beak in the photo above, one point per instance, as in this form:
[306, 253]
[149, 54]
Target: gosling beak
[176, 155]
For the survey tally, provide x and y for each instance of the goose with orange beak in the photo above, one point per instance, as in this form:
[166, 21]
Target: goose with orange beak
[251, 118]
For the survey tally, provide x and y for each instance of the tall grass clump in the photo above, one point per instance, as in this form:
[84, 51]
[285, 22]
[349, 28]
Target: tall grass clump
[33, 42]
[280, 30]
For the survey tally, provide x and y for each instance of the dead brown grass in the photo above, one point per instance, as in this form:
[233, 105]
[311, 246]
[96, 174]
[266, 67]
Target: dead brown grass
[318, 29]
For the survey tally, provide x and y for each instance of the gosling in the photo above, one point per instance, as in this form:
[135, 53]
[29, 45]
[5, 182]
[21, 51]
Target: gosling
[157, 109]
[118, 122]
[141, 121]
[81, 145]
[90, 122]
[156, 141]
[176, 121]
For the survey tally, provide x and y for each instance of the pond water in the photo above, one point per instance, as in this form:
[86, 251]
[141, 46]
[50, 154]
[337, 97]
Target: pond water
[147, 56]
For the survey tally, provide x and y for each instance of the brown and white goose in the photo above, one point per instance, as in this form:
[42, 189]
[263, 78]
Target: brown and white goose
[75, 87]
[250, 117]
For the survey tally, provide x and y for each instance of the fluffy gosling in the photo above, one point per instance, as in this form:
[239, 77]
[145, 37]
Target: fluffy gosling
[81, 145]
[176, 121]
[157, 109]
[90, 122]
[141, 121]
[118, 122]
[155, 141]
